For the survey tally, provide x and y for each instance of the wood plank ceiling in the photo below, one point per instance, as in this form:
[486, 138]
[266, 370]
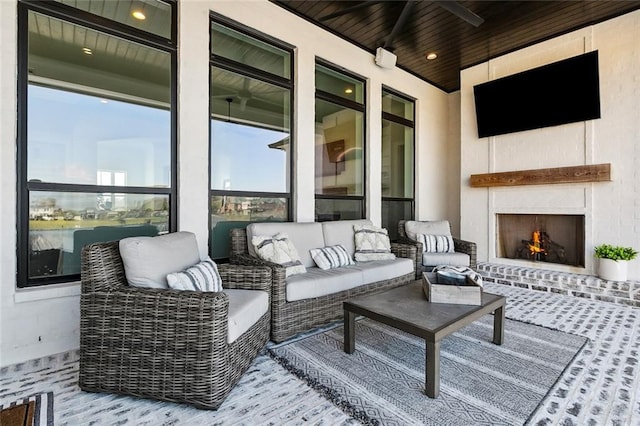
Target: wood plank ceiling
[507, 26]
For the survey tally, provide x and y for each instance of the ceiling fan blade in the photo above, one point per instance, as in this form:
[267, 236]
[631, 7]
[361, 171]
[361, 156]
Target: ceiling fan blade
[347, 10]
[461, 12]
[404, 15]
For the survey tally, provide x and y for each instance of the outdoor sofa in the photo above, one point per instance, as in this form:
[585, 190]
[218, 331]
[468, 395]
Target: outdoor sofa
[314, 298]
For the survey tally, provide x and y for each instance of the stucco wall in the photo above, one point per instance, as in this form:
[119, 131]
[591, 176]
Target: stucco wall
[38, 322]
[611, 209]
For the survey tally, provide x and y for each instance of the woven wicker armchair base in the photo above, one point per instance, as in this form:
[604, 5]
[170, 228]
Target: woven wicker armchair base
[160, 343]
[460, 246]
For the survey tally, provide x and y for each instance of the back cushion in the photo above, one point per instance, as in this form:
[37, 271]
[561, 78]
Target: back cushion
[148, 260]
[434, 227]
[304, 236]
[341, 232]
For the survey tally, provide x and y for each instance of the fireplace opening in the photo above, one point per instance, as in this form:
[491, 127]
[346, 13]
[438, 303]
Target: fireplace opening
[552, 238]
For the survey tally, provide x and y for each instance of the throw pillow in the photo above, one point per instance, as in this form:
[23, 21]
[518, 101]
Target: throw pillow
[436, 243]
[202, 276]
[279, 249]
[331, 257]
[372, 243]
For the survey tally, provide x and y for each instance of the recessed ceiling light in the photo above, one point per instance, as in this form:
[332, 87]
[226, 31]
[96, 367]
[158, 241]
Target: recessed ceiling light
[138, 15]
[87, 51]
[348, 91]
[431, 56]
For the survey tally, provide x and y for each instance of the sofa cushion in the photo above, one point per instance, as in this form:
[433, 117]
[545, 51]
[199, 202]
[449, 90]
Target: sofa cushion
[435, 227]
[148, 260]
[372, 243]
[245, 308]
[341, 232]
[453, 259]
[317, 282]
[278, 249]
[303, 235]
[331, 257]
[202, 276]
[380, 270]
[436, 243]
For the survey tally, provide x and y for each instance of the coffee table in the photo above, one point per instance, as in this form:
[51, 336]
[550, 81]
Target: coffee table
[406, 308]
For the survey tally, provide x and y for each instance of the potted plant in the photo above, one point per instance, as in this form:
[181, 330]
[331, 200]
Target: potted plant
[612, 261]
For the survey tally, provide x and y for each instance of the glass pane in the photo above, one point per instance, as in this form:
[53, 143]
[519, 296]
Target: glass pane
[152, 16]
[95, 114]
[237, 212]
[397, 160]
[327, 209]
[330, 81]
[394, 211]
[247, 50]
[396, 105]
[60, 224]
[339, 142]
[250, 146]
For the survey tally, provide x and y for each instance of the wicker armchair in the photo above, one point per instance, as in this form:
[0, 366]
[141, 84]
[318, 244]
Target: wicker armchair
[460, 246]
[159, 343]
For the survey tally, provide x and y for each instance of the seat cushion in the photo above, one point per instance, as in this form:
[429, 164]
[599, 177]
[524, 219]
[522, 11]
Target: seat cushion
[341, 232]
[304, 236]
[245, 308]
[317, 282]
[148, 260]
[453, 259]
[379, 270]
[435, 227]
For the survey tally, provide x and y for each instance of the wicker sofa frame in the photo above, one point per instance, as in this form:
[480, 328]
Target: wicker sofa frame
[291, 318]
[160, 343]
[460, 246]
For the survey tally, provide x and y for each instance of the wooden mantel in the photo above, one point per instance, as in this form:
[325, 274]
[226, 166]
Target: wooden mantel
[574, 174]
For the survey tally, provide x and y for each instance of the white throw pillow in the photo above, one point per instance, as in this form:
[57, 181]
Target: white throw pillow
[331, 257]
[279, 249]
[148, 260]
[372, 243]
[436, 243]
[202, 276]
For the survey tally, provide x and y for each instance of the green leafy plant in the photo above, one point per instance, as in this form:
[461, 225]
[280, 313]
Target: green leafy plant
[607, 251]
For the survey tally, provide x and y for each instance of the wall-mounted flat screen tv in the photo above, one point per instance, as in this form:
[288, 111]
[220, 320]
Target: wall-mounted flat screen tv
[562, 92]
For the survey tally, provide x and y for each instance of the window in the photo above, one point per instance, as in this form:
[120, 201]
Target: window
[250, 105]
[397, 160]
[339, 145]
[96, 131]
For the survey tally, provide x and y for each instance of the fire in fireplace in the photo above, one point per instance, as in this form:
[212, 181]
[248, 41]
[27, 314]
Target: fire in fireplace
[529, 237]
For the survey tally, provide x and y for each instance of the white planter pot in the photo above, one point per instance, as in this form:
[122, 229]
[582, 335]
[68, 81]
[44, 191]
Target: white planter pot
[612, 270]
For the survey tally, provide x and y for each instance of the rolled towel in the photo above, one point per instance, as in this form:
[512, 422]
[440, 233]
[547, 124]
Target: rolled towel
[470, 274]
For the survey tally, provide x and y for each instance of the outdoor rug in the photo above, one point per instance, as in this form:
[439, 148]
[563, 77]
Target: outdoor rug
[481, 383]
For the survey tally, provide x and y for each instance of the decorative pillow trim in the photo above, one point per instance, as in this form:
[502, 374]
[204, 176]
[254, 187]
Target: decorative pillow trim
[331, 257]
[436, 243]
[203, 276]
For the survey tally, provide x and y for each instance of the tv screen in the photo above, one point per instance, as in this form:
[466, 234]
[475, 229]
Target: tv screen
[562, 92]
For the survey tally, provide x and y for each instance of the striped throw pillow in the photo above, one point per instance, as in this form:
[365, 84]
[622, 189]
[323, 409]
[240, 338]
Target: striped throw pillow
[436, 243]
[372, 243]
[202, 276]
[331, 257]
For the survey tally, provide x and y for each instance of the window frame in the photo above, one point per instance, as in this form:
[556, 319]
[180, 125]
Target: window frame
[359, 107]
[258, 74]
[24, 187]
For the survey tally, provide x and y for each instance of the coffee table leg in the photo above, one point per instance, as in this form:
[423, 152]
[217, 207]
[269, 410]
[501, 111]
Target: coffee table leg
[432, 369]
[498, 325]
[349, 332]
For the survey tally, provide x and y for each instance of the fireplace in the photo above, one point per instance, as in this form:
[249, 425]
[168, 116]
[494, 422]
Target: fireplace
[551, 238]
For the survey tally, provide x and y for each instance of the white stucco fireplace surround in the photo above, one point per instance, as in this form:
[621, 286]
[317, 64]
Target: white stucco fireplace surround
[611, 209]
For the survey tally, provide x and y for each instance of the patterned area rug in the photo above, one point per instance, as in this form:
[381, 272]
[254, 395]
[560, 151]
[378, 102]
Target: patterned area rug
[38, 413]
[382, 382]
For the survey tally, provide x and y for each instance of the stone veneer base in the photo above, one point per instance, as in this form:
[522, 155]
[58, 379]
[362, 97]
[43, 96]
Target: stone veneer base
[585, 286]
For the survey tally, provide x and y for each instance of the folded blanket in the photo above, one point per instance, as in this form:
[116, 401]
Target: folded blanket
[471, 275]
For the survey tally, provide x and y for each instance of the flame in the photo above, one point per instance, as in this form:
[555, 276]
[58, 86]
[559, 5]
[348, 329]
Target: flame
[535, 247]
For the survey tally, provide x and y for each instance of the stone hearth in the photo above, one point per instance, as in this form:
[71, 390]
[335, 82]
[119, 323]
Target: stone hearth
[585, 286]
